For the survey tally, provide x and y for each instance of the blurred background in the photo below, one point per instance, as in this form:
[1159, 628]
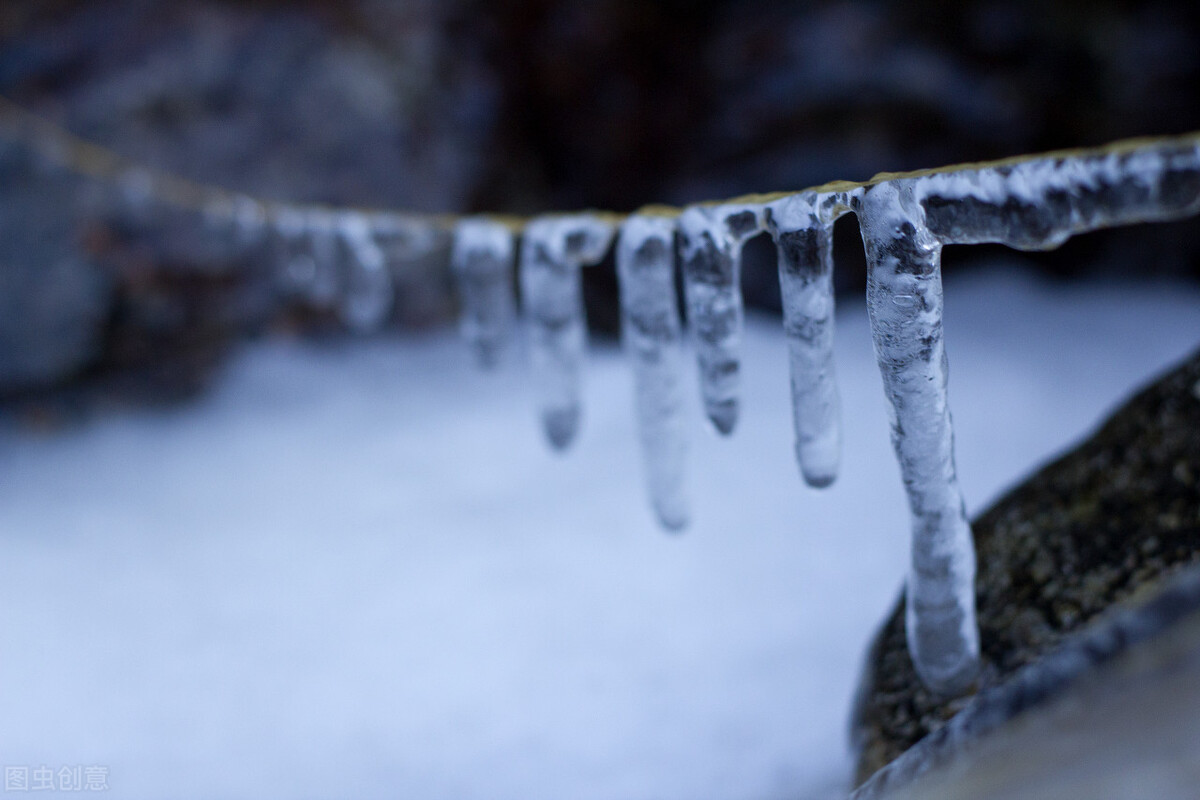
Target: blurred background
[244, 553]
[524, 107]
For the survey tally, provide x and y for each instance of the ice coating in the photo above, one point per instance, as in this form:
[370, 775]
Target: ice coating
[904, 301]
[321, 233]
[249, 219]
[293, 256]
[804, 243]
[367, 293]
[403, 237]
[482, 260]
[651, 334]
[711, 250]
[1039, 203]
[552, 252]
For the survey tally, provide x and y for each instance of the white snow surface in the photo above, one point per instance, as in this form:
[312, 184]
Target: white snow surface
[356, 571]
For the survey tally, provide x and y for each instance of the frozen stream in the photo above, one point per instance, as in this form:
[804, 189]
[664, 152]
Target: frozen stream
[355, 571]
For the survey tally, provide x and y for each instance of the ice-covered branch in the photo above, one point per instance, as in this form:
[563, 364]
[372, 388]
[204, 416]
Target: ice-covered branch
[1035, 203]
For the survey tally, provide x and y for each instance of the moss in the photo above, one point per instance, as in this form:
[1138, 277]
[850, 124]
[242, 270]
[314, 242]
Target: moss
[1108, 520]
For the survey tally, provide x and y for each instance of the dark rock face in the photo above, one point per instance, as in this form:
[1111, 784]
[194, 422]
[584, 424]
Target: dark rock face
[1111, 712]
[54, 298]
[1110, 519]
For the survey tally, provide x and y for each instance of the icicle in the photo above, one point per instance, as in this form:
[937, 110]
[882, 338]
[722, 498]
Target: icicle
[1030, 204]
[552, 252]
[294, 262]
[712, 239]
[403, 237]
[650, 330]
[367, 293]
[321, 232]
[804, 243]
[249, 219]
[482, 260]
[904, 300]
[137, 187]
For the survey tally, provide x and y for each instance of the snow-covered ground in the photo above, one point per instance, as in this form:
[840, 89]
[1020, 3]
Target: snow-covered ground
[356, 571]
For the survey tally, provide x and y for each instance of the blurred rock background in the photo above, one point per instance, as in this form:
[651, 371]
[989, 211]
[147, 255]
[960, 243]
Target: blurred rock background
[526, 106]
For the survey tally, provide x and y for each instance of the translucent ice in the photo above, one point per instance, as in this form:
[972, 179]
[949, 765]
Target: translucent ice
[650, 331]
[1039, 203]
[482, 259]
[367, 293]
[711, 250]
[290, 248]
[804, 243]
[249, 218]
[904, 301]
[552, 253]
[321, 238]
[403, 237]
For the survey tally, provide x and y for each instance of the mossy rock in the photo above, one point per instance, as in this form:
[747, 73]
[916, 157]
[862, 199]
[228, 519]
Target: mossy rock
[1112, 518]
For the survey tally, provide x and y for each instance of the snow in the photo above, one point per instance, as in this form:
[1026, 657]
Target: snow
[355, 570]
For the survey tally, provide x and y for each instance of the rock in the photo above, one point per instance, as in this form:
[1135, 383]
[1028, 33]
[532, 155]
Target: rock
[1112, 712]
[54, 299]
[1112, 518]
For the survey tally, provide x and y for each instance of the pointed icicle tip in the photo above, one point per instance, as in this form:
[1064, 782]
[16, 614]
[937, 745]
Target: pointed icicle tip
[723, 416]
[560, 427]
[673, 521]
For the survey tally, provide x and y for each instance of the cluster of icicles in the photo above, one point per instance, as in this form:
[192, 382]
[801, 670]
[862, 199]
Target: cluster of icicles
[342, 257]
[905, 220]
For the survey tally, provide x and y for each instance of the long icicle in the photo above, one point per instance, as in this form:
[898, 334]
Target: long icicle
[711, 249]
[321, 233]
[804, 244]
[367, 290]
[651, 334]
[904, 301]
[293, 262]
[552, 253]
[482, 260]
